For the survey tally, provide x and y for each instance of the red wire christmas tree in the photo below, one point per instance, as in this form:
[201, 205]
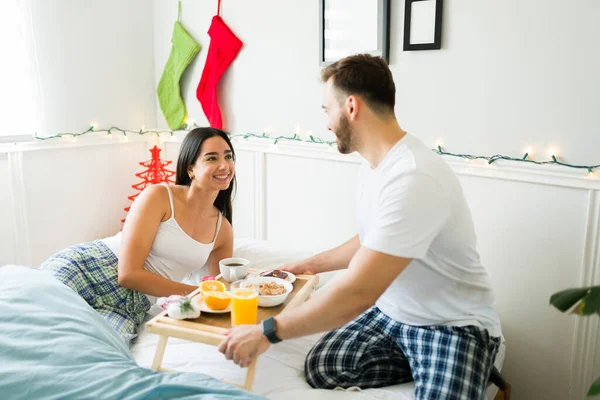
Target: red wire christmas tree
[156, 172]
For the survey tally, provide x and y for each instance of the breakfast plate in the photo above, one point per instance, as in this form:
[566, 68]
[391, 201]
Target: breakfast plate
[204, 307]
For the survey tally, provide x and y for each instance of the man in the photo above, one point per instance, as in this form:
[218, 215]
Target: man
[416, 301]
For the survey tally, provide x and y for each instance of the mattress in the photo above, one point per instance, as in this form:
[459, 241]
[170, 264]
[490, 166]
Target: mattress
[279, 373]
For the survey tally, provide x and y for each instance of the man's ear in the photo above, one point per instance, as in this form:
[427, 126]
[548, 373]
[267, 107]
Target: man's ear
[352, 107]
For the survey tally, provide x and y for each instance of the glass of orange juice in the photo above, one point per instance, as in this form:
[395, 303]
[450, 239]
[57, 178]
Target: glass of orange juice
[244, 304]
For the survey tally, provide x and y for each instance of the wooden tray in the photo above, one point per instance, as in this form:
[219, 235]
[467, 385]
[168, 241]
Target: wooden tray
[224, 320]
[218, 323]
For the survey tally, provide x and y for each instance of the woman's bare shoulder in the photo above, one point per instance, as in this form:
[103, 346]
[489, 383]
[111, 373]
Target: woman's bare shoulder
[157, 191]
[156, 197]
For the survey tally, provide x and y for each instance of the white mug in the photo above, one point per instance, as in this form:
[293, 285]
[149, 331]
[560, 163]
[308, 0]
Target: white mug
[232, 273]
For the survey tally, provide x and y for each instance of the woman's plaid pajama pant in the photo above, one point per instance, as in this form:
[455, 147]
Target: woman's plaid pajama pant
[445, 362]
[90, 269]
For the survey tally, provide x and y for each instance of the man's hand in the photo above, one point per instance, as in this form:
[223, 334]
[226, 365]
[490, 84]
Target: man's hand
[298, 268]
[243, 344]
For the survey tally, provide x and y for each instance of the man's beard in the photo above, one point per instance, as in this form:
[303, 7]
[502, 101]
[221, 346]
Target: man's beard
[344, 136]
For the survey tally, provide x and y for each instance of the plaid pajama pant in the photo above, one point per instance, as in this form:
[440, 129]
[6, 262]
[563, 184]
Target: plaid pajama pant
[90, 269]
[445, 362]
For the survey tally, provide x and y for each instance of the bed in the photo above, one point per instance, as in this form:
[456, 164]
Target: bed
[280, 370]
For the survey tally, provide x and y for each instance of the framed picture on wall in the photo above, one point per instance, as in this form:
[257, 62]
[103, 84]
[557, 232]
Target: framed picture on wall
[423, 24]
[353, 26]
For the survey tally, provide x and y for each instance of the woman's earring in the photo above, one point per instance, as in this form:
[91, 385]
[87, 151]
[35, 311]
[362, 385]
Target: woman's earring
[191, 176]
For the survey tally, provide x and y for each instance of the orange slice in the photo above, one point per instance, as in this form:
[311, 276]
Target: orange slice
[212, 286]
[217, 300]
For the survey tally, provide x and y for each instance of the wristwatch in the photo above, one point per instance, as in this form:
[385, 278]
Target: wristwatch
[270, 330]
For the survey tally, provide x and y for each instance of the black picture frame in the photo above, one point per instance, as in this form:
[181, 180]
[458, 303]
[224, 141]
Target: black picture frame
[437, 42]
[383, 33]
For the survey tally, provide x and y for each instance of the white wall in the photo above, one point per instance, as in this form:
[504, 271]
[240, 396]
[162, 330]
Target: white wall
[8, 244]
[511, 73]
[96, 63]
[56, 194]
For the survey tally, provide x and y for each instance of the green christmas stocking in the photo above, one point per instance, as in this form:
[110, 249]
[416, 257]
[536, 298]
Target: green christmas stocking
[183, 51]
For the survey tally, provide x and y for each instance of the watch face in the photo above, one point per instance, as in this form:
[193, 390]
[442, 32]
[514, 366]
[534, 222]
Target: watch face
[268, 325]
[268, 328]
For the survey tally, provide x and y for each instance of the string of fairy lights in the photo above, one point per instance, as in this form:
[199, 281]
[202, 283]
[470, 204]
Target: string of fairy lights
[113, 130]
[295, 138]
[492, 159]
[163, 135]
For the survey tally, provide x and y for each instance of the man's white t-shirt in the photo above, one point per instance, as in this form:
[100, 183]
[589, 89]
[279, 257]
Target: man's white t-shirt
[412, 205]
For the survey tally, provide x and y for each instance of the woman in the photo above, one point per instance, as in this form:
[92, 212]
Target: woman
[170, 231]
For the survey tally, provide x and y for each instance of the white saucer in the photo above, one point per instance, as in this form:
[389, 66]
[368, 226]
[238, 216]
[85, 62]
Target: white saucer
[204, 308]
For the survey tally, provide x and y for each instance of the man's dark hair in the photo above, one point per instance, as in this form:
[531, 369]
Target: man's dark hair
[366, 76]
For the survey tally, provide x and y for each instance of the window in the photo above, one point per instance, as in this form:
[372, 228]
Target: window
[19, 79]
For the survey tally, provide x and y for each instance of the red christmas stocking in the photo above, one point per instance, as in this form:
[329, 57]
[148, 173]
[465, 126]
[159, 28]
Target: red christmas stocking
[224, 47]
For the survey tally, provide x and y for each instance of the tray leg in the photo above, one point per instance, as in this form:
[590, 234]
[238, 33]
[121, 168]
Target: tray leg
[160, 352]
[250, 376]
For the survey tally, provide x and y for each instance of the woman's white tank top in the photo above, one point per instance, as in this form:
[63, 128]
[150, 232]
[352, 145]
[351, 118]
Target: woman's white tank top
[174, 254]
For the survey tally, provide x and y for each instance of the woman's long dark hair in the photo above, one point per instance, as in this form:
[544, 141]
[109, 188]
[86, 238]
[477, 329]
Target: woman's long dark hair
[190, 150]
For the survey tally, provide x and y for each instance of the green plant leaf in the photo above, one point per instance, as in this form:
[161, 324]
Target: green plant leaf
[591, 301]
[565, 299]
[595, 388]
[186, 305]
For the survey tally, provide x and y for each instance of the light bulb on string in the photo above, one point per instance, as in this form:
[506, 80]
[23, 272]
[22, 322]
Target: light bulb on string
[308, 137]
[189, 124]
[270, 130]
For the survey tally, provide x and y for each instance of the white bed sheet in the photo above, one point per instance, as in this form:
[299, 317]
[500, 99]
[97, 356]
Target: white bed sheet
[279, 372]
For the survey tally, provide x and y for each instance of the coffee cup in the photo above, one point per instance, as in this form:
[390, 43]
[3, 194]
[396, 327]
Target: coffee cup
[234, 269]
